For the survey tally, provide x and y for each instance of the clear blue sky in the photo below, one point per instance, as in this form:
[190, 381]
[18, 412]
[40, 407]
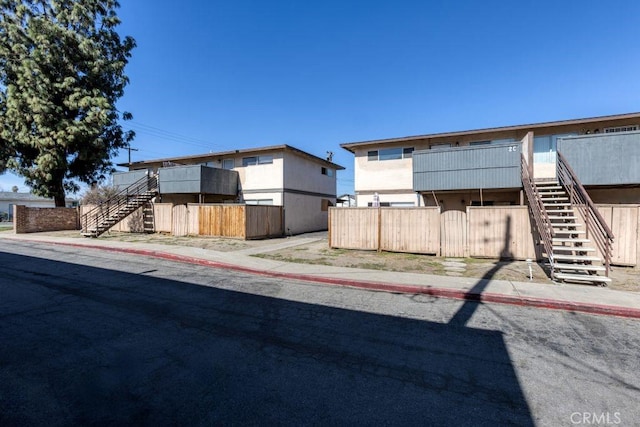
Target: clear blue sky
[217, 75]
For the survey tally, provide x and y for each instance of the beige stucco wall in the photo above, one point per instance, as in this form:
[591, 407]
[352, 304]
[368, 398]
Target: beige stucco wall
[261, 177]
[383, 175]
[301, 173]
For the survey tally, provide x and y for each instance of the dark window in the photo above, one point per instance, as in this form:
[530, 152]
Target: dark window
[390, 154]
[372, 155]
[264, 160]
[249, 161]
[327, 171]
[257, 160]
[407, 153]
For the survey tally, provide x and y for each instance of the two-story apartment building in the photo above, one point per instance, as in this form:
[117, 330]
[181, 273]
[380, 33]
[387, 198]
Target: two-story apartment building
[303, 184]
[482, 167]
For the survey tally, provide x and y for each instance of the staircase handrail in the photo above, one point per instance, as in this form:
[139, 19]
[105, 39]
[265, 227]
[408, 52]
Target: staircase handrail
[595, 224]
[112, 205]
[540, 216]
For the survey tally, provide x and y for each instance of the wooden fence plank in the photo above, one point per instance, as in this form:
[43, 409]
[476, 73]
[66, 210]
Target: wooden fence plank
[410, 230]
[354, 228]
[162, 217]
[500, 232]
[453, 234]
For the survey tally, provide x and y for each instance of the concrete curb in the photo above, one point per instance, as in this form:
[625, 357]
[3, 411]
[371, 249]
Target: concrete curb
[485, 297]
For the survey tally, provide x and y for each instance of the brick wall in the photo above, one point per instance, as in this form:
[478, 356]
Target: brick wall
[33, 220]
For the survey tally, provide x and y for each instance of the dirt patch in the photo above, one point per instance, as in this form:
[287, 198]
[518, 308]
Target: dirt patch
[318, 252]
[623, 278]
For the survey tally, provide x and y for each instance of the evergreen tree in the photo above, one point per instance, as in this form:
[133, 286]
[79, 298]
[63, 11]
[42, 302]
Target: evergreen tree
[61, 72]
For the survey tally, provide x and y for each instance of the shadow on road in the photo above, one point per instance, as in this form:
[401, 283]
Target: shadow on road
[85, 345]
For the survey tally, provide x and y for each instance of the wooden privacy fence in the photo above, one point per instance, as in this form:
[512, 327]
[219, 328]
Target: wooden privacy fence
[483, 232]
[387, 229]
[239, 221]
[624, 221]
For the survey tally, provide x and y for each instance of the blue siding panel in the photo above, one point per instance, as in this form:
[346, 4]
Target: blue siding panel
[466, 168]
[603, 159]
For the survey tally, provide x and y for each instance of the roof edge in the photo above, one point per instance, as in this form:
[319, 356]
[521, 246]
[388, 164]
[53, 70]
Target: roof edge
[348, 145]
[284, 147]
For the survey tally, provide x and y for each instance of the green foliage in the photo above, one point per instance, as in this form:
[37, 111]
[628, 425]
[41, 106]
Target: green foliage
[61, 72]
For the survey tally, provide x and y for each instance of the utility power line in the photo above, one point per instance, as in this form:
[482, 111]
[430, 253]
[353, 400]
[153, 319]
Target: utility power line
[170, 136]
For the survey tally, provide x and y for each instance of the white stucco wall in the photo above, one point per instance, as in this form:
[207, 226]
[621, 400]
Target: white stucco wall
[304, 213]
[262, 196]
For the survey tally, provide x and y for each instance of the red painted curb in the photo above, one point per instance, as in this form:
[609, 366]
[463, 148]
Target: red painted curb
[486, 297]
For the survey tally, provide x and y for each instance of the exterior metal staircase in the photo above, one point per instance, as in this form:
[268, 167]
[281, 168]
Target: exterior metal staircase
[569, 225]
[124, 203]
[573, 254]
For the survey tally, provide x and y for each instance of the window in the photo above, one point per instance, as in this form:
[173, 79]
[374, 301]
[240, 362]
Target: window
[228, 164]
[327, 171]
[259, 202]
[257, 160]
[440, 146]
[480, 143]
[628, 128]
[264, 160]
[249, 161]
[390, 154]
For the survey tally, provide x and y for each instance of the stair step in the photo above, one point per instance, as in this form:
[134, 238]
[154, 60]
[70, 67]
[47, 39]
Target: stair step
[565, 224]
[545, 203]
[573, 248]
[569, 231]
[569, 240]
[584, 267]
[562, 217]
[582, 277]
[575, 257]
[559, 211]
[550, 191]
[553, 199]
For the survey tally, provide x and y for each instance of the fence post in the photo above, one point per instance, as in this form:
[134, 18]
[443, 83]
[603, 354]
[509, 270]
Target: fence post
[379, 229]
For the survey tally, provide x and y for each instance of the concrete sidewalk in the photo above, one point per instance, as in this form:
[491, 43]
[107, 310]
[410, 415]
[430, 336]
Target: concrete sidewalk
[579, 298]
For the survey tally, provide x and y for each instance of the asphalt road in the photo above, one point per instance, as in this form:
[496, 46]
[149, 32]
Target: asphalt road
[97, 338]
